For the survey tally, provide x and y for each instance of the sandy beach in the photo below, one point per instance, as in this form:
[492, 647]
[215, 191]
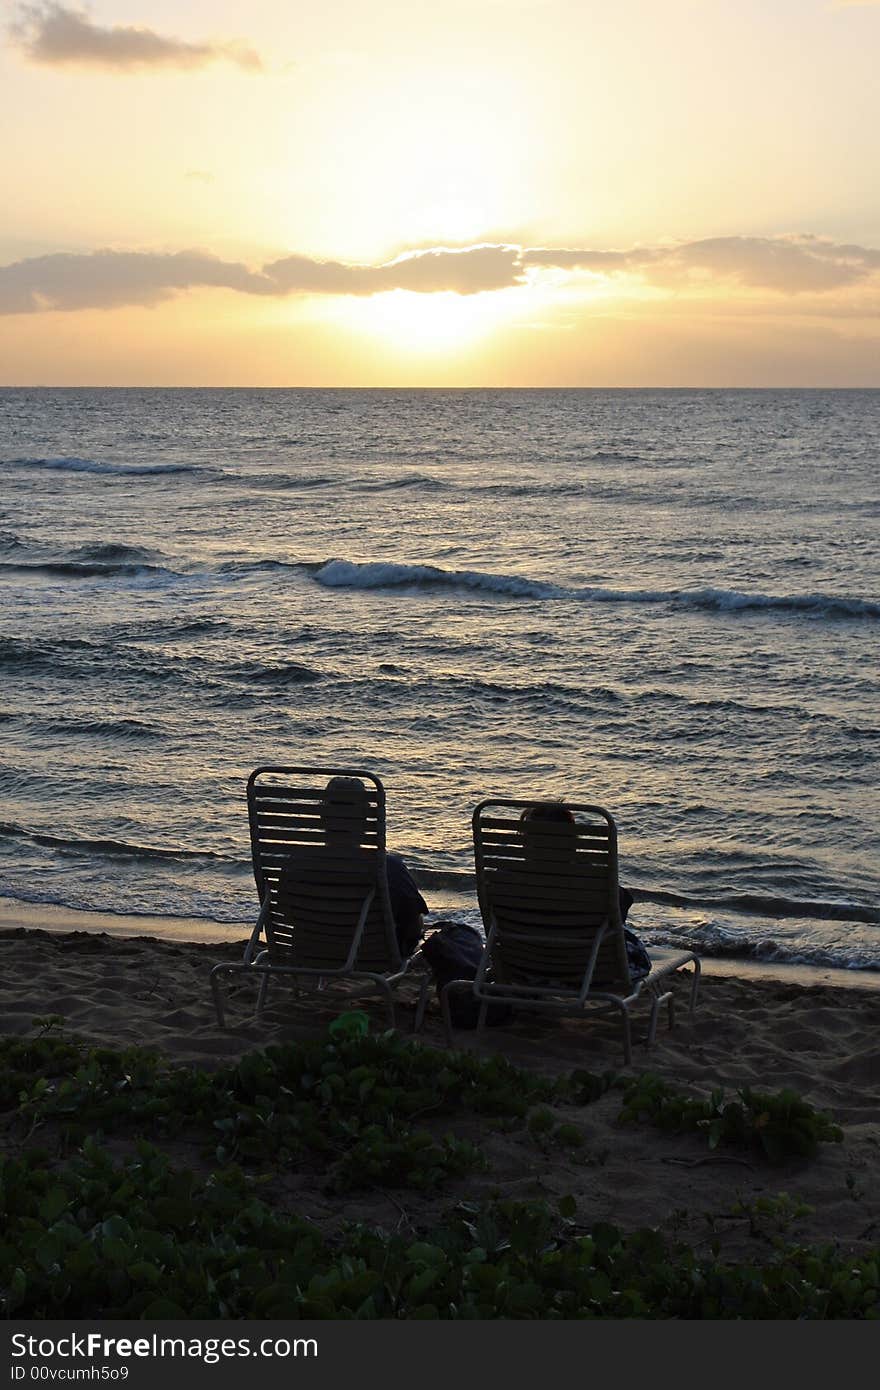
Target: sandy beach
[800, 1030]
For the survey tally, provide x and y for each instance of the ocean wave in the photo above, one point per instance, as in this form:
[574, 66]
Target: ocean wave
[715, 943]
[377, 574]
[260, 566]
[122, 470]
[90, 561]
[538, 489]
[348, 574]
[197, 912]
[111, 849]
[418, 482]
[165, 629]
[741, 904]
[283, 482]
[728, 704]
[280, 673]
[459, 880]
[111, 553]
[766, 905]
[17, 654]
[131, 668]
[731, 600]
[101, 728]
[623, 456]
[79, 569]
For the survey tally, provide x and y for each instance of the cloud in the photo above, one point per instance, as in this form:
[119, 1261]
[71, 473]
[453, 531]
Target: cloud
[111, 279]
[469, 270]
[107, 279]
[55, 36]
[788, 265]
[605, 262]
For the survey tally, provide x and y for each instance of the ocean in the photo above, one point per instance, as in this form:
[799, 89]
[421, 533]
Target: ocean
[665, 602]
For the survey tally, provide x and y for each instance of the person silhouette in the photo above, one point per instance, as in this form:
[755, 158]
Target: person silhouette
[344, 809]
[558, 813]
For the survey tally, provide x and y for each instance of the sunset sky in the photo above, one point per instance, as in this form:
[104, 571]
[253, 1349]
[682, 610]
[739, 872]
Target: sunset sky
[473, 192]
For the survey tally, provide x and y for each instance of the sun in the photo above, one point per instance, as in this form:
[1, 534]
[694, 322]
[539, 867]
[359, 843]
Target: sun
[426, 325]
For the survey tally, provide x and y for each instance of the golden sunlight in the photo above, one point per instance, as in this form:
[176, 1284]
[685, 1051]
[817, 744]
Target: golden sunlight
[427, 324]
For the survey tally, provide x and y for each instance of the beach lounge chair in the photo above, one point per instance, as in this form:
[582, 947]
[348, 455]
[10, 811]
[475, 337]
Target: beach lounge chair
[548, 893]
[318, 848]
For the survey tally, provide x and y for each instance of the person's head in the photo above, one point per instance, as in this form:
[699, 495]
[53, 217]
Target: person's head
[344, 808]
[547, 811]
[540, 841]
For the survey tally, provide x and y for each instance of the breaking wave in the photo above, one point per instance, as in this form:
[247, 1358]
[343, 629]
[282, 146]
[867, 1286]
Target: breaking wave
[346, 574]
[349, 574]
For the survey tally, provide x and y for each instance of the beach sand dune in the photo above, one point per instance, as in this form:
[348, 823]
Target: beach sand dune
[765, 1033]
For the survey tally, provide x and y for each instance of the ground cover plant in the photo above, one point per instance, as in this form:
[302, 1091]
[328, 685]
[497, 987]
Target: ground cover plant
[99, 1217]
[141, 1239]
[353, 1104]
[345, 1092]
[779, 1125]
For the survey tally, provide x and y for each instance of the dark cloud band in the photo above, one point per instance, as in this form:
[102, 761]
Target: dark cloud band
[110, 279]
[789, 265]
[56, 36]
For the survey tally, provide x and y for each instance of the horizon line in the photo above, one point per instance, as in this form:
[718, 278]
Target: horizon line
[150, 386]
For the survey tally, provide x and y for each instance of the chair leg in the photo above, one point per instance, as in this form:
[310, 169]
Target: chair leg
[218, 997]
[696, 985]
[655, 1013]
[670, 1010]
[446, 1013]
[261, 997]
[385, 990]
[652, 1022]
[627, 1036]
[421, 1005]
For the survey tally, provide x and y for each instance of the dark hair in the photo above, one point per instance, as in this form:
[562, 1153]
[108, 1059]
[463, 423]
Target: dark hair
[547, 811]
[344, 806]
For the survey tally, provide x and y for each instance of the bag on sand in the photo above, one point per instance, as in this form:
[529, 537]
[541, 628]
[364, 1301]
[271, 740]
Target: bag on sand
[453, 952]
[637, 957]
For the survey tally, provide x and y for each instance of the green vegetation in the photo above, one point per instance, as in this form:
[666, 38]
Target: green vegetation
[139, 1239]
[349, 1103]
[771, 1218]
[135, 1233]
[779, 1126]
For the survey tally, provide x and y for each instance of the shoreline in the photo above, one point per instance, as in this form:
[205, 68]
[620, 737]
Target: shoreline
[16, 915]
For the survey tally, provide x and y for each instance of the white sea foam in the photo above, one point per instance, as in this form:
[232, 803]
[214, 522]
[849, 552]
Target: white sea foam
[348, 574]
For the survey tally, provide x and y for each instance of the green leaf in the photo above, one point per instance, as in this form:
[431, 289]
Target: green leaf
[53, 1204]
